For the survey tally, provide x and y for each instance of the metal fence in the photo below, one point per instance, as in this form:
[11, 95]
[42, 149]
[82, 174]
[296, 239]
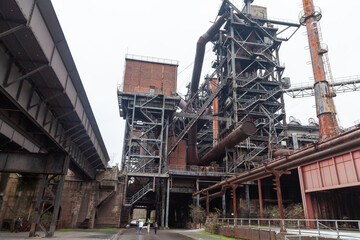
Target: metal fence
[297, 228]
[206, 170]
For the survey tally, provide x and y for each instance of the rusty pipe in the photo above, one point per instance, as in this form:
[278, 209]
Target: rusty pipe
[200, 52]
[341, 143]
[242, 132]
[192, 154]
[217, 194]
[282, 152]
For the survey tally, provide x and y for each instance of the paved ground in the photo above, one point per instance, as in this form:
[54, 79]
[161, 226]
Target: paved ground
[123, 234]
[73, 235]
[132, 234]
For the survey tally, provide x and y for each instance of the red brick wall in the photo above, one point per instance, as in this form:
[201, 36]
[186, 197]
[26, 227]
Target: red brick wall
[140, 76]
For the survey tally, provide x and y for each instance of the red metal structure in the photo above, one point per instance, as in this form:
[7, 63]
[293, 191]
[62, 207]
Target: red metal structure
[325, 109]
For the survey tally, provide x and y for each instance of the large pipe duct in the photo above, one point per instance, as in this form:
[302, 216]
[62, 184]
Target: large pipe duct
[243, 131]
[192, 155]
[345, 142]
[200, 52]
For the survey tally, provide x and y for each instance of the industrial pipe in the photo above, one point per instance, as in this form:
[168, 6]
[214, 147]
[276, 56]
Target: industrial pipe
[243, 131]
[192, 155]
[200, 52]
[336, 145]
[325, 109]
[215, 195]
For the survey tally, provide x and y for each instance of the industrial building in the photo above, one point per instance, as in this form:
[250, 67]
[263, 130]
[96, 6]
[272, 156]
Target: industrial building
[228, 144]
[231, 125]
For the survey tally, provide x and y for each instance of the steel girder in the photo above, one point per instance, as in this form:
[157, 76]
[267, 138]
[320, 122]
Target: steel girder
[35, 163]
[39, 76]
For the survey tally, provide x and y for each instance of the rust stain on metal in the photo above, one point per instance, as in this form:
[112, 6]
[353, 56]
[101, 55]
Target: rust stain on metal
[328, 126]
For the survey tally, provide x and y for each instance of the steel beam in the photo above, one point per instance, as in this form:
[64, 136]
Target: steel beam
[15, 135]
[54, 48]
[35, 163]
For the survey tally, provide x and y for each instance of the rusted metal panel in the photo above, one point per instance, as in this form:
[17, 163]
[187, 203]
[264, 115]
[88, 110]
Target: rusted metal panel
[178, 157]
[334, 172]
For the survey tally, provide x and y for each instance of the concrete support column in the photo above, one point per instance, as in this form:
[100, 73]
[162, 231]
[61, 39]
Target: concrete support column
[197, 196]
[163, 198]
[247, 195]
[167, 203]
[223, 203]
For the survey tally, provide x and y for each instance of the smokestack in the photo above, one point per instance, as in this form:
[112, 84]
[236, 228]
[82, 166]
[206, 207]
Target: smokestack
[325, 109]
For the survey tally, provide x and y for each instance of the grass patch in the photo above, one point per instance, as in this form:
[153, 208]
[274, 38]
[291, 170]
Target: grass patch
[215, 236]
[85, 230]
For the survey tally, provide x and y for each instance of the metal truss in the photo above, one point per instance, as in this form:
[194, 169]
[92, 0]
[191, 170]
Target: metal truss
[146, 131]
[248, 56]
[48, 200]
[41, 79]
[339, 85]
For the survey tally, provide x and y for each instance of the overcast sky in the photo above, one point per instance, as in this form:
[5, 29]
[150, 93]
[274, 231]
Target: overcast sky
[100, 33]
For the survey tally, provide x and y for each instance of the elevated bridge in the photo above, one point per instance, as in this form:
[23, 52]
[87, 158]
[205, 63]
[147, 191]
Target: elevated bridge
[46, 122]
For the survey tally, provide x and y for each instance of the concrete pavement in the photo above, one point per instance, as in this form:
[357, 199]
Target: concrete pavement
[121, 234]
[71, 235]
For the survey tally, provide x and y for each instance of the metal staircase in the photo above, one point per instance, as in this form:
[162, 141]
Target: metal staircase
[255, 99]
[248, 157]
[139, 194]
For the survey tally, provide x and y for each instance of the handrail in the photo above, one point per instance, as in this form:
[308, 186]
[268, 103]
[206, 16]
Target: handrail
[139, 194]
[349, 229]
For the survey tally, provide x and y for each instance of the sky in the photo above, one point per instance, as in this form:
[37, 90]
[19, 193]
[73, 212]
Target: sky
[101, 33]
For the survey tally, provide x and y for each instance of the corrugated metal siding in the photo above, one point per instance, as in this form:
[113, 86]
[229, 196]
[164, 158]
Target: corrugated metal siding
[335, 172]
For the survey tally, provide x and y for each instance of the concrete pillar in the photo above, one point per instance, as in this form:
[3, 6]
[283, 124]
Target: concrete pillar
[163, 203]
[247, 195]
[167, 203]
[224, 204]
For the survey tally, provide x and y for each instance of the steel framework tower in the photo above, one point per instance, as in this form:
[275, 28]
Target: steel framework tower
[248, 61]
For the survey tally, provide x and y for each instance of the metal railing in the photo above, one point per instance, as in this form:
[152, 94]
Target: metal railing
[340, 229]
[139, 194]
[151, 59]
[196, 169]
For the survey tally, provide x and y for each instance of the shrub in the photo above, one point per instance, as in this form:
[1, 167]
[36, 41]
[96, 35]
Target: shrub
[197, 214]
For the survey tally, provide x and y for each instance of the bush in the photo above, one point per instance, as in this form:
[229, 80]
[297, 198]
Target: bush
[292, 211]
[197, 214]
[211, 225]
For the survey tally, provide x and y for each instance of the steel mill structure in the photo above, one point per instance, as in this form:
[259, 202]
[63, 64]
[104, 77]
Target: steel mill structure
[227, 144]
[231, 129]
